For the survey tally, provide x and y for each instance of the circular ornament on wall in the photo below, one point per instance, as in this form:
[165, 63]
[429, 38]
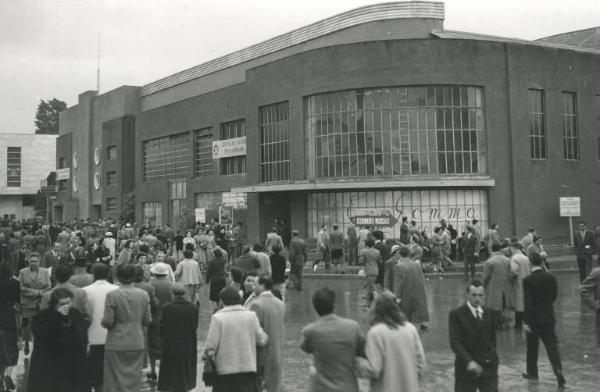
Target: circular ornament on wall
[97, 156]
[75, 160]
[97, 181]
[75, 183]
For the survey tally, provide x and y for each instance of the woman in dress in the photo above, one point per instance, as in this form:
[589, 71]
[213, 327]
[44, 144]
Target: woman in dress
[10, 294]
[58, 361]
[216, 276]
[394, 354]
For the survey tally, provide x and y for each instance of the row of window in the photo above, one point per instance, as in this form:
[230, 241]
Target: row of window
[570, 132]
[13, 167]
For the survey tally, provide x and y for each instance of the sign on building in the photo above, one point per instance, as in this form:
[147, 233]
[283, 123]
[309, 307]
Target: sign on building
[570, 206]
[63, 174]
[200, 215]
[229, 148]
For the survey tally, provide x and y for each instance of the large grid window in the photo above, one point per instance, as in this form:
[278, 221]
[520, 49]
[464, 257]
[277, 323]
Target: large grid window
[167, 157]
[231, 130]
[152, 213]
[537, 125]
[397, 131]
[426, 207]
[111, 204]
[274, 122]
[569, 117]
[203, 162]
[13, 166]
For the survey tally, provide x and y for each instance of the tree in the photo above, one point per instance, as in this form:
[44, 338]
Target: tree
[46, 117]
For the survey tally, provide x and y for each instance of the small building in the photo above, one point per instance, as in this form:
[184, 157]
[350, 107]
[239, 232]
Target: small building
[25, 161]
[363, 118]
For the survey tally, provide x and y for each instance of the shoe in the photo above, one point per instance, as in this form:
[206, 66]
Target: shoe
[561, 381]
[151, 376]
[9, 383]
[529, 377]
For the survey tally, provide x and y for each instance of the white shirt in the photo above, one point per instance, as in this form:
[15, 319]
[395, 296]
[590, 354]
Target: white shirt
[475, 310]
[96, 297]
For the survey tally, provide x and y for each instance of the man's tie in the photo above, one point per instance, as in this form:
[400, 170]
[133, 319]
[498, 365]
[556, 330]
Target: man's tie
[478, 313]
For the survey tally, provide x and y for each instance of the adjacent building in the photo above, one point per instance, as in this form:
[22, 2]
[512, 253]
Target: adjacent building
[25, 161]
[363, 118]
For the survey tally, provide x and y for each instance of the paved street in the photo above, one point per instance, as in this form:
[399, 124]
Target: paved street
[575, 329]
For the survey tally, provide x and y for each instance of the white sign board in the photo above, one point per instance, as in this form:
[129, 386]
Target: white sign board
[200, 215]
[63, 174]
[229, 148]
[570, 206]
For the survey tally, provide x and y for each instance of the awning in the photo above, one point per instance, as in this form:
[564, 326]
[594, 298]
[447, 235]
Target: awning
[407, 182]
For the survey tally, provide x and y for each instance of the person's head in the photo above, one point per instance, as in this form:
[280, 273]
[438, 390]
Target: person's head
[5, 271]
[257, 247]
[385, 310]
[404, 252]
[335, 227]
[229, 296]
[218, 253]
[144, 248]
[531, 230]
[496, 247]
[437, 230]
[188, 234]
[246, 249]
[100, 271]
[56, 247]
[160, 270]
[295, 233]
[404, 219]
[582, 225]
[62, 273]
[237, 275]
[536, 259]
[378, 235]
[138, 275]
[413, 222]
[127, 244]
[276, 249]
[369, 243]
[177, 290]
[141, 258]
[188, 254]
[263, 283]
[323, 301]
[80, 262]
[34, 260]
[494, 226]
[474, 222]
[61, 296]
[475, 293]
[249, 282]
[537, 240]
[125, 273]
[160, 257]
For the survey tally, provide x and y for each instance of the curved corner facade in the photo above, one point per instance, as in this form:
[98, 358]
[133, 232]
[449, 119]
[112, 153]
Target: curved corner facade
[364, 124]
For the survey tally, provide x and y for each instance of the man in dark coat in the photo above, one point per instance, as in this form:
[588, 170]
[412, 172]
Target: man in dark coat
[297, 257]
[470, 251]
[177, 328]
[540, 290]
[584, 247]
[473, 339]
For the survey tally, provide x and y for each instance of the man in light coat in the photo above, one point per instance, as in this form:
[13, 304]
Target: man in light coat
[499, 285]
[270, 311]
[409, 286]
[522, 267]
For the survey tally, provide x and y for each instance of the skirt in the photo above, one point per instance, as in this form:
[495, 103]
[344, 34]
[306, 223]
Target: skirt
[215, 288]
[123, 370]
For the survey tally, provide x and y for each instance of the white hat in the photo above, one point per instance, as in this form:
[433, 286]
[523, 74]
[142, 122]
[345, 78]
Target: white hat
[395, 248]
[159, 269]
[128, 225]
[108, 234]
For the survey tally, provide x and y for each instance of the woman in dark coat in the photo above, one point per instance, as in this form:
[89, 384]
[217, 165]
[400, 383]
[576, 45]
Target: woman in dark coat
[216, 276]
[177, 328]
[59, 354]
[10, 296]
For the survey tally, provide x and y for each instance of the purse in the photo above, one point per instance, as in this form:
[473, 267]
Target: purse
[209, 374]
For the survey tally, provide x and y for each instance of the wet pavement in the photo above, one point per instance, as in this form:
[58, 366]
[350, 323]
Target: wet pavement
[575, 330]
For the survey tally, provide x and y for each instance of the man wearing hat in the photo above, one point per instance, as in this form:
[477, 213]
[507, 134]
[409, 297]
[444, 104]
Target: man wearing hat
[409, 287]
[126, 312]
[521, 268]
[297, 258]
[110, 244]
[162, 290]
[388, 280]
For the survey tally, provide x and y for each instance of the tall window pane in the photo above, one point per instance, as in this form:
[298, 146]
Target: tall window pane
[237, 164]
[274, 142]
[166, 157]
[399, 131]
[569, 117]
[152, 213]
[13, 166]
[537, 125]
[203, 165]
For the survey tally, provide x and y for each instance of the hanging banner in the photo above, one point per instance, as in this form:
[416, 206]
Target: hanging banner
[63, 174]
[229, 148]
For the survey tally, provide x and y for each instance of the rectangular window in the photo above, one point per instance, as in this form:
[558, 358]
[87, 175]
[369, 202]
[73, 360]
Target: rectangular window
[211, 201]
[537, 125]
[203, 162]
[111, 204]
[152, 213]
[274, 126]
[62, 163]
[62, 185]
[111, 178]
[233, 165]
[111, 153]
[569, 120]
[13, 166]
[166, 157]
[396, 131]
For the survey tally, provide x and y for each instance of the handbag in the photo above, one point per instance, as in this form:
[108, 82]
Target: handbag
[209, 374]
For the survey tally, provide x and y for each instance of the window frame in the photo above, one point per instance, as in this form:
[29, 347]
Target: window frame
[538, 143]
[570, 135]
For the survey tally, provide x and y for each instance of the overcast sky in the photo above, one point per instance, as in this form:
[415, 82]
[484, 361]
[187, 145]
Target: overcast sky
[48, 48]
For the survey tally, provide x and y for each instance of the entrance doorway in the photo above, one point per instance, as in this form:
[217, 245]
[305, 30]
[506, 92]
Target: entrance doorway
[275, 212]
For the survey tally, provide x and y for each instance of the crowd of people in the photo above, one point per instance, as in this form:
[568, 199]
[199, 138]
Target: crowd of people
[102, 303]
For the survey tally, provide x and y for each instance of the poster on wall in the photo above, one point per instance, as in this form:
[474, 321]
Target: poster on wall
[225, 215]
[200, 214]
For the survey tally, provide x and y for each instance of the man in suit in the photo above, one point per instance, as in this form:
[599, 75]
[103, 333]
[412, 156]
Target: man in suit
[334, 342]
[372, 261]
[584, 247]
[52, 258]
[270, 312]
[470, 251]
[540, 290]
[473, 339]
[297, 257]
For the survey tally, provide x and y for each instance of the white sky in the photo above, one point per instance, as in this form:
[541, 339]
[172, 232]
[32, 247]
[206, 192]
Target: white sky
[48, 48]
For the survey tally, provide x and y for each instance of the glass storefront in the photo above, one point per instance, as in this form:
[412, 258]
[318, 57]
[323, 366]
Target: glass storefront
[400, 131]
[152, 213]
[236, 203]
[385, 209]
